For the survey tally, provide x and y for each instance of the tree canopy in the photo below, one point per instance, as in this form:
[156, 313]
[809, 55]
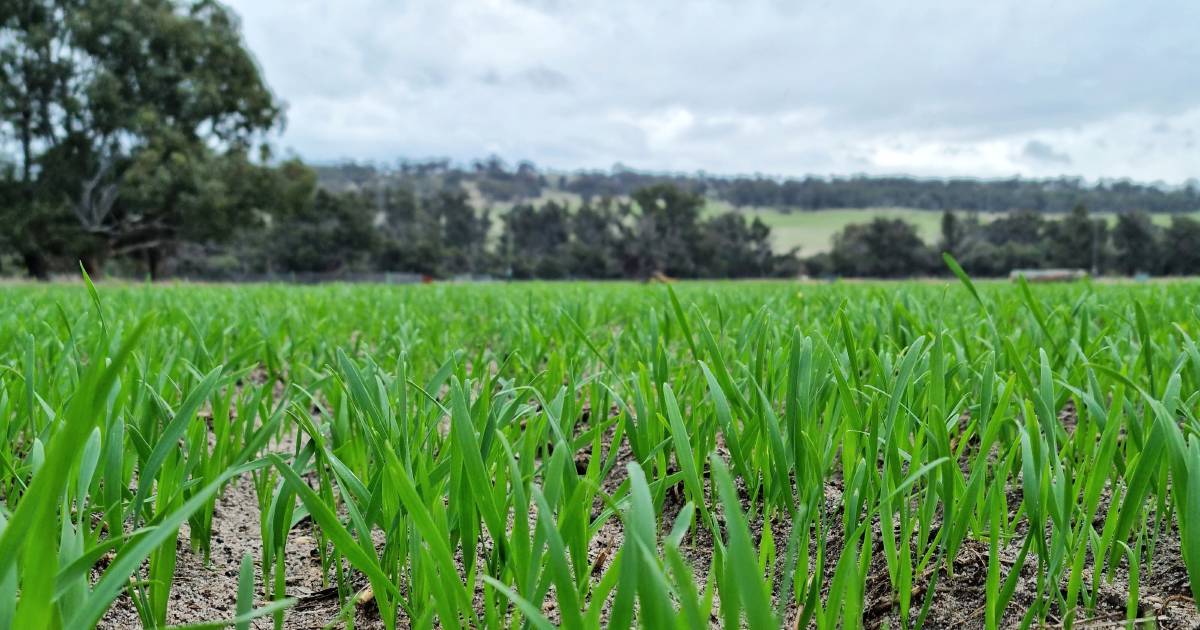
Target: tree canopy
[126, 115]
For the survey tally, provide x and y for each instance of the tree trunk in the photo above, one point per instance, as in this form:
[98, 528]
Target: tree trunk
[153, 262]
[35, 264]
[93, 264]
[34, 259]
[27, 152]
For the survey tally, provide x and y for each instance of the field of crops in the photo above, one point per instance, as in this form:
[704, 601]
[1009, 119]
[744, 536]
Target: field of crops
[761, 455]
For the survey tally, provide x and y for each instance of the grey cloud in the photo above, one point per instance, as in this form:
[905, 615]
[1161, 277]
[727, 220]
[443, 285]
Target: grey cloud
[543, 78]
[1039, 151]
[576, 83]
[714, 130]
[538, 78]
[490, 77]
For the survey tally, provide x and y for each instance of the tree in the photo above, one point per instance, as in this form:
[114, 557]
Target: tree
[1075, 240]
[597, 247]
[1135, 238]
[732, 247]
[665, 230]
[330, 232]
[33, 69]
[953, 233]
[883, 248]
[1023, 227]
[412, 235]
[463, 232]
[535, 239]
[1017, 241]
[264, 200]
[1181, 246]
[118, 105]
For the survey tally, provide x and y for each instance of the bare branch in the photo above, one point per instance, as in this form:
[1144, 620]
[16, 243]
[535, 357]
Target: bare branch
[97, 198]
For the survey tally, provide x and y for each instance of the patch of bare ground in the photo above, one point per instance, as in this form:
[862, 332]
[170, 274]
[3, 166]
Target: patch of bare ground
[959, 600]
[208, 592]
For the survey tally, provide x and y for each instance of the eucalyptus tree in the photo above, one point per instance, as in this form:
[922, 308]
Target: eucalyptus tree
[116, 110]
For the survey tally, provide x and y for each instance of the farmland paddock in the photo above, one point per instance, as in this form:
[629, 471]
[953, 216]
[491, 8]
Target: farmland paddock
[759, 454]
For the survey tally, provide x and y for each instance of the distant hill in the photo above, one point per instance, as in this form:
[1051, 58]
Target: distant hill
[494, 183]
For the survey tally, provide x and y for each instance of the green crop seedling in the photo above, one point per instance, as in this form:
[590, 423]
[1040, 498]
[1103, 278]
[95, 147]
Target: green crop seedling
[905, 455]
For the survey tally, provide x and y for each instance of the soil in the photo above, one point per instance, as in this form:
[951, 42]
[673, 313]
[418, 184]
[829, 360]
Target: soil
[205, 592]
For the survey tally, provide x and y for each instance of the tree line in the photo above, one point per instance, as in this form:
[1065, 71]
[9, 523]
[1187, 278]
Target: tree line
[661, 230]
[499, 182]
[890, 248]
[1057, 195]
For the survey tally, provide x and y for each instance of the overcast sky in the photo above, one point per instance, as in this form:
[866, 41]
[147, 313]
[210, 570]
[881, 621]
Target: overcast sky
[996, 88]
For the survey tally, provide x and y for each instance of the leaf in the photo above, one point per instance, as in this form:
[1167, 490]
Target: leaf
[742, 557]
[532, 613]
[962, 276]
[245, 598]
[168, 442]
[242, 620]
